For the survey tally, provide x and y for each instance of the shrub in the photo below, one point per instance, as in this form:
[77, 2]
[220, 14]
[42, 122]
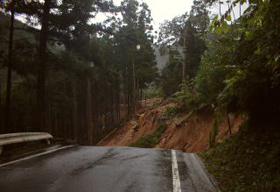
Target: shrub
[150, 140]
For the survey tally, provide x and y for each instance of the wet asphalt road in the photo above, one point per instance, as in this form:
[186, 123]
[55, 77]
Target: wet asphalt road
[104, 169]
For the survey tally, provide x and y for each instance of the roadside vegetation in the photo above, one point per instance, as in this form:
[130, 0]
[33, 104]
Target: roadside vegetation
[233, 69]
[247, 161]
[151, 140]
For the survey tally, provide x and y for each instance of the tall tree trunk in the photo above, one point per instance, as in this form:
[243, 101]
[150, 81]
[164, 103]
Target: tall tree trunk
[141, 97]
[127, 109]
[96, 111]
[145, 98]
[1, 121]
[229, 126]
[184, 61]
[7, 126]
[50, 117]
[133, 88]
[75, 125]
[55, 130]
[138, 94]
[0, 95]
[112, 108]
[118, 103]
[41, 76]
[89, 114]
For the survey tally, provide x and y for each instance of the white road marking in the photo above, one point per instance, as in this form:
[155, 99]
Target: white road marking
[175, 173]
[36, 155]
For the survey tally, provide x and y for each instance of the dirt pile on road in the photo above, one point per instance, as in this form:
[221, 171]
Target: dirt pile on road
[187, 132]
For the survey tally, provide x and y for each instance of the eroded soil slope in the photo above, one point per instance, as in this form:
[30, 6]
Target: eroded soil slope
[145, 122]
[187, 132]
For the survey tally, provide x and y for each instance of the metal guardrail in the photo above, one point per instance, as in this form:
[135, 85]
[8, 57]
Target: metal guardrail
[12, 138]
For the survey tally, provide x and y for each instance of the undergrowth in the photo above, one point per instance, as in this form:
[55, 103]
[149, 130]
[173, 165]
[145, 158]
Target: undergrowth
[150, 140]
[248, 161]
[215, 129]
[170, 112]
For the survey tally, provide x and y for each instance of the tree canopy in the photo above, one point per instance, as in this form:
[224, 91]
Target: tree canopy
[87, 76]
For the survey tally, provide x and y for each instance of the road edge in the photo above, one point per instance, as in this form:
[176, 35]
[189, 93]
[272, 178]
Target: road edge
[36, 155]
[211, 178]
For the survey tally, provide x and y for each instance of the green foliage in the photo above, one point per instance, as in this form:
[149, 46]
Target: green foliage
[170, 32]
[210, 80]
[239, 71]
[186, 98]
[215, 129]
[150, 140]
[85, 62]
[187, 31]
[171, 78]
[247, 161]
[170, 112]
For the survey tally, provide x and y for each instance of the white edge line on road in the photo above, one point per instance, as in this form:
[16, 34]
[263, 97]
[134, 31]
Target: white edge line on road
[175, 173]
[36, 155]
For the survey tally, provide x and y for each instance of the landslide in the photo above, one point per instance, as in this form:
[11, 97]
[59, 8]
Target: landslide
[145, 121]
[189, 132]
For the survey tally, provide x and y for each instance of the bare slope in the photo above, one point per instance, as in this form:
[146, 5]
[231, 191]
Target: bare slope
[187, 132]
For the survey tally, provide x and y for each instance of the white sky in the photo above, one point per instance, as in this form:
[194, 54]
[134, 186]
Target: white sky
[168, 9]
[161, 10]
[165, 9]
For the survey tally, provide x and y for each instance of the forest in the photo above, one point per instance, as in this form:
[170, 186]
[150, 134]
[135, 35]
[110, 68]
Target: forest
[78, 78]
[64, 72]
[75, 78]
[230, 64]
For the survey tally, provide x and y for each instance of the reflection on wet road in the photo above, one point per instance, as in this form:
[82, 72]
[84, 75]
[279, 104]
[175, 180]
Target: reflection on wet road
[103, 169]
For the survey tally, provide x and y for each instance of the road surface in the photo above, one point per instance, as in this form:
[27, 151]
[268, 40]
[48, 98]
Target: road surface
[107, 169]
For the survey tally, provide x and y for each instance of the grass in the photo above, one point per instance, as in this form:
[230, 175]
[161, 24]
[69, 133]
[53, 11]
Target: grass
[248, 161]
[150, 140]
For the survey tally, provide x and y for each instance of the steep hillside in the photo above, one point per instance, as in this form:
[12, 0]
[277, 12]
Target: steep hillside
[187, 132]
[194, 131]
[143, 123]
[248, 161]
